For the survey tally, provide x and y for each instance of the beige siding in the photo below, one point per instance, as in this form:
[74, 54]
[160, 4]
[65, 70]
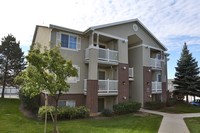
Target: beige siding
[77, 58]
[43, 38]
[136, 87]
[125, 30]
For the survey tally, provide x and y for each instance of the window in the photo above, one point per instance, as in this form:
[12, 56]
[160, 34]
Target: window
[68, 41]
[70, 103]
[74, 79]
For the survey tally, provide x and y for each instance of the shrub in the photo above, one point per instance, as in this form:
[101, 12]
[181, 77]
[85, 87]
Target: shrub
[107, 112]
[153, 105]
[126, 107]
[31, 104]
[64, 112]
[170, 102]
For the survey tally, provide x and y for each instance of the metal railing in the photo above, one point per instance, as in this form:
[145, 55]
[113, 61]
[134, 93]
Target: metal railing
[156, 63]
[104, 55]
[131, 72]
[105, 87]
[156, 87]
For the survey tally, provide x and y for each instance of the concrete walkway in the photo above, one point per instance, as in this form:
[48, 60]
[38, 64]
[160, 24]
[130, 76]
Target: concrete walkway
[172, 123]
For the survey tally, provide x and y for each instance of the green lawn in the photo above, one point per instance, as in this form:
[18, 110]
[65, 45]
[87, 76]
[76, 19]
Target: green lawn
[12, 121]
[193, 124]
[182, 108]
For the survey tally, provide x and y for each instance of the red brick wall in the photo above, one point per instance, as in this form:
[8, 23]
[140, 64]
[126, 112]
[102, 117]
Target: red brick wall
[147, 84]
[123, 82]
[164, 91]
[92, 95]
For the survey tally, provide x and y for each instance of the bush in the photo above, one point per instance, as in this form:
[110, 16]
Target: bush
[126, 107]
[107, 112]
[64, 112]
[153, 105]
[170, 102]
[31, 104]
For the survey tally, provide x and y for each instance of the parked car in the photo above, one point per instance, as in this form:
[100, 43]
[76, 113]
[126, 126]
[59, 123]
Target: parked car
[196, 102]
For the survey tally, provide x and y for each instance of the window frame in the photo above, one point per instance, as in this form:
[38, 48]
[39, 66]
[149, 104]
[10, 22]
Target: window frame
[67, 102]
[59, 40]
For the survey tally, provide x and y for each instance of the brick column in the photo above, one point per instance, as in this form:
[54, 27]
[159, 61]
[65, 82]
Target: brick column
[123, 82]
[147, 91]
[92, 96]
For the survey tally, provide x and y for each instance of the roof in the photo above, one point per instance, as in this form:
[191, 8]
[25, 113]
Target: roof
[51, 26]
[124, 22]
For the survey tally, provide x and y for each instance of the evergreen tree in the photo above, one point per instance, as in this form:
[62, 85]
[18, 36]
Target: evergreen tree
[12, 61]
[187, 74]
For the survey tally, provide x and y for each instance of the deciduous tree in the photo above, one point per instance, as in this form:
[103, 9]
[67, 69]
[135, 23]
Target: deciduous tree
[47, 72]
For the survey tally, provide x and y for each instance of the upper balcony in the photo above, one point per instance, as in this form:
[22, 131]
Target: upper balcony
[155, 63]
[106, 87]
[105, 56]
[156, 87]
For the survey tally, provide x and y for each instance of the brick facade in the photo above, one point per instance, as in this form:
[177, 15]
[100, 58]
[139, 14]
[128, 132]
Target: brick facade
[92, 96]
[123, 82]
[147, 74]
[164, 91]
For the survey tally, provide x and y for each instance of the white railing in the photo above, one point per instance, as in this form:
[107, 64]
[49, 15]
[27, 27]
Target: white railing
[131, 72]
[106, 87]
[104, 55]
[156, 63]
[156, 87]
[108, 55]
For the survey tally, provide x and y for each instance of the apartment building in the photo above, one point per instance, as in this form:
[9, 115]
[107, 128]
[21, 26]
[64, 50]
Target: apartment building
[116, 62]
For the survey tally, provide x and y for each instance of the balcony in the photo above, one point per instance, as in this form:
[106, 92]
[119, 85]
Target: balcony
[131, 74]
[156, 87]
[155, 63]
[105, 55]
[106, 87]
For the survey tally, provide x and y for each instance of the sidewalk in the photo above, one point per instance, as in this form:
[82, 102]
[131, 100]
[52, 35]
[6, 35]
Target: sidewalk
[172, 123]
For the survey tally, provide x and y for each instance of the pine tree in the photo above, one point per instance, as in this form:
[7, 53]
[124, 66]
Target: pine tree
[12, 61]
[187, 74]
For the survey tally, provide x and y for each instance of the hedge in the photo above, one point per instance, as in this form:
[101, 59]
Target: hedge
[126, 107]
[154, 105]
[64, 112]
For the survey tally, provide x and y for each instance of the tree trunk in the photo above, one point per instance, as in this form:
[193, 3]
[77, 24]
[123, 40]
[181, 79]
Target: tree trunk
[4, 79]
[55, 117]
[187, 98]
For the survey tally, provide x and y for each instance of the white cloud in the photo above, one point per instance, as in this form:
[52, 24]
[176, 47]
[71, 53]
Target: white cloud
[164, 18]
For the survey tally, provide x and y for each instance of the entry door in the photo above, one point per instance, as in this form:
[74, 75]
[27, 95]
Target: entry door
[100, 104]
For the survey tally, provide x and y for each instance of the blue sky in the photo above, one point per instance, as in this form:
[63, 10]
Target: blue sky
[173, 22]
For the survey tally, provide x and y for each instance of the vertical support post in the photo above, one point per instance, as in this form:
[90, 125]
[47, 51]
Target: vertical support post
[97, 40]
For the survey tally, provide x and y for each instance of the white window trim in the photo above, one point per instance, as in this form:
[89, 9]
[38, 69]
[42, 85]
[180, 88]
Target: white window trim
[67, 102]
[78, 41]
[76, 78]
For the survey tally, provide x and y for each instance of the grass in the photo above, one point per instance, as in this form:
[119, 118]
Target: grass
[193, 124]
[182, 108]
[13, 121]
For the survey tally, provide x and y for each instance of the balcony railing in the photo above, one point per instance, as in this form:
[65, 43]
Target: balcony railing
[106, 87]
[104, 55]
[131, 73]
[155, 63]
[156, 87]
